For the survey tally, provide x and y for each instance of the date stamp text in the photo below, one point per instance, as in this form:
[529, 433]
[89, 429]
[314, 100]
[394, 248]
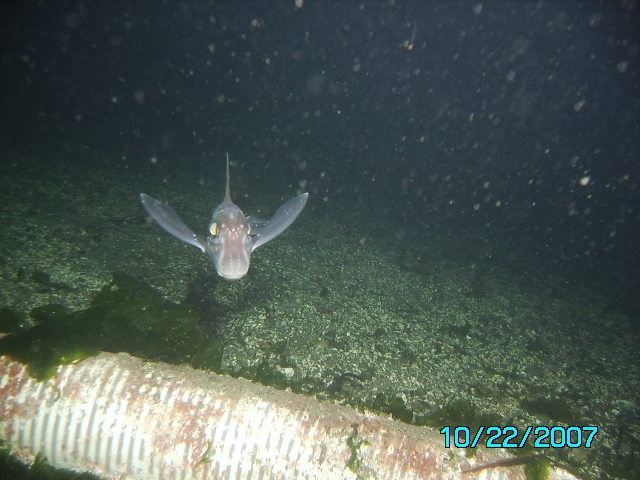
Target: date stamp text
[541, 436]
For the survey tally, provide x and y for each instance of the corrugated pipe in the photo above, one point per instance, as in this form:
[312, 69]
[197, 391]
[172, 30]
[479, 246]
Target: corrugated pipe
[121, 417]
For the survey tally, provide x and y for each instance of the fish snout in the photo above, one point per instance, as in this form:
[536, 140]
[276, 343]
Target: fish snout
[232, 270]
[231, 256]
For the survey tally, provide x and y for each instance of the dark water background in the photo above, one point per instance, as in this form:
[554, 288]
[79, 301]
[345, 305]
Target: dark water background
[483, 114]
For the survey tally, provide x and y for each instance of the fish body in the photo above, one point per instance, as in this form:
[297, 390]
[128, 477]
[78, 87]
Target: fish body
[232, 236]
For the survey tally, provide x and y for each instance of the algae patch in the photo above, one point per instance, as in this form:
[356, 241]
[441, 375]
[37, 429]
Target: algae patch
[11, 467]
[396, 406]
[459, 412]
[355, 442]
[537, 469]
[125, 316]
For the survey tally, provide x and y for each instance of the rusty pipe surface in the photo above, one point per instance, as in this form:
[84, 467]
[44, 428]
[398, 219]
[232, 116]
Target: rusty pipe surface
[120, 417]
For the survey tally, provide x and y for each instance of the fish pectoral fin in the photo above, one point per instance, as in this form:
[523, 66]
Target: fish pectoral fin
[284, 216]
[169, 220]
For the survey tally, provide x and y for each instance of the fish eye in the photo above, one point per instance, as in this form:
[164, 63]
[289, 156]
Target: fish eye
[213, 229]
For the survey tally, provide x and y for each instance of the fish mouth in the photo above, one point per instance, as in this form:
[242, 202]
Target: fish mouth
[233, 273]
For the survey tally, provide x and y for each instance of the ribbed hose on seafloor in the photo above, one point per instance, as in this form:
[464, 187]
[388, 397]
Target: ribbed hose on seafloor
[120, 417]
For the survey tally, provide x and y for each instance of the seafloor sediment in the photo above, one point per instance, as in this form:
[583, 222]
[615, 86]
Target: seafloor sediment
[437, 325]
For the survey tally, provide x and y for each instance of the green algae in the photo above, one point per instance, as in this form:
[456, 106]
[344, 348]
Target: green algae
[459, 412]
[40, 469]
[267, 374]
[396, 406]
[355, 442]
[125, 316]
[538, 468]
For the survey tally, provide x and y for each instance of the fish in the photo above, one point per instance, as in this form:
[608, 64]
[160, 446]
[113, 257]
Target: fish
[232, 236]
